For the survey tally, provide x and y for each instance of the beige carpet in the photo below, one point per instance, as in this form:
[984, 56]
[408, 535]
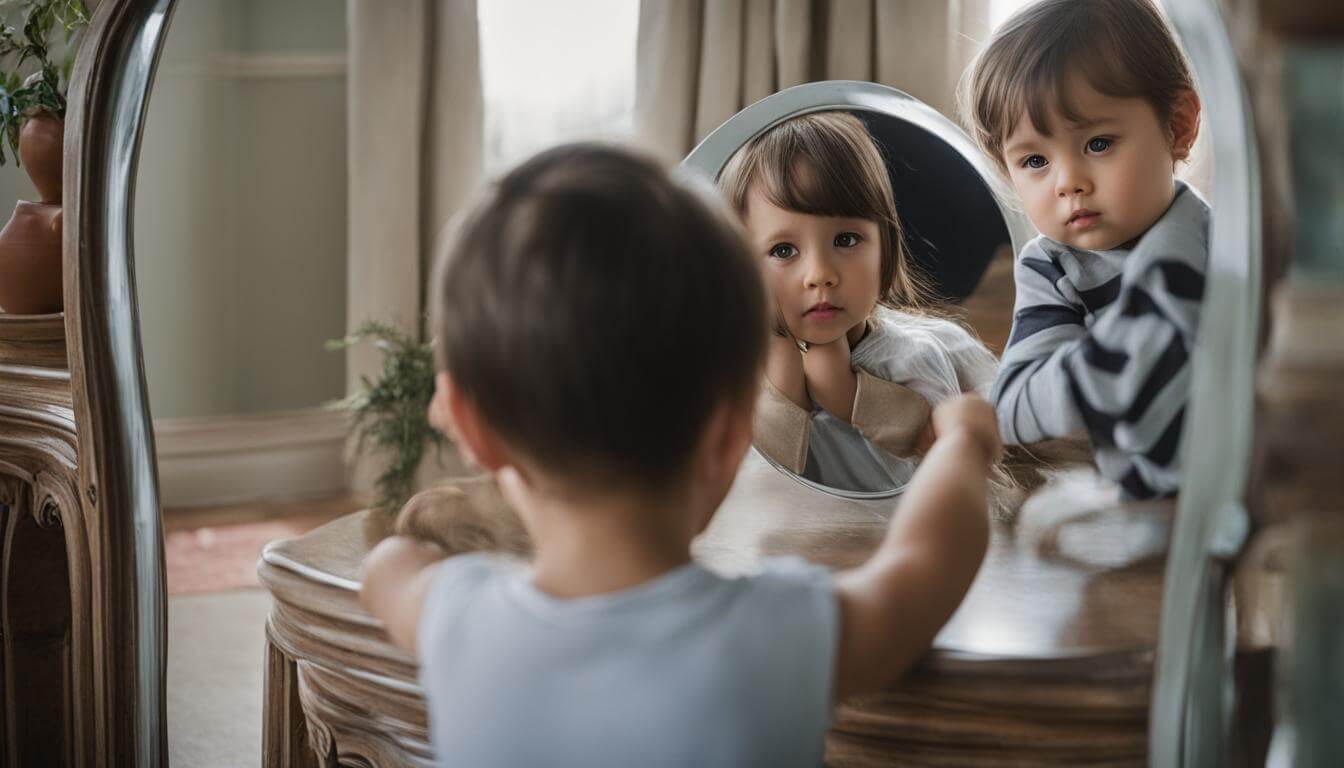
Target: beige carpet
[215, 662]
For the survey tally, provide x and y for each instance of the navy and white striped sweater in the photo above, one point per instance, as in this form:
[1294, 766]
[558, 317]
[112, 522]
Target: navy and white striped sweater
[1101, 345]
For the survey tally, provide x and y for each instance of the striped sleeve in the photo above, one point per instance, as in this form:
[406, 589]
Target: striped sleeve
[1125, 379]
[1130, 377]
[1030, 391]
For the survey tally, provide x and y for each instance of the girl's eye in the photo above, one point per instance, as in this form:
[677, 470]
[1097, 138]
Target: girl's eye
[847, 240]
[783, 251]
[1035, 162]
[1099, 144]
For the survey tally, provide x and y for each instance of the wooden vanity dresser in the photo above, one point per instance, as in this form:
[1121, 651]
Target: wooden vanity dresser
[1048, 662]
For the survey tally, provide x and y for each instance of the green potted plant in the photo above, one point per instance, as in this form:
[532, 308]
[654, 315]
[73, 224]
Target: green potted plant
[37, 43]
[390, 414]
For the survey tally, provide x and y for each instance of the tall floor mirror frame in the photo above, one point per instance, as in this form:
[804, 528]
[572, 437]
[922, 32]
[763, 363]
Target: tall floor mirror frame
[1189, 718]
[109, 90]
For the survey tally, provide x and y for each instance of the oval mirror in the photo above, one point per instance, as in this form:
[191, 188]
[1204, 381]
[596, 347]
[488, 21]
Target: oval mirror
[954, 218]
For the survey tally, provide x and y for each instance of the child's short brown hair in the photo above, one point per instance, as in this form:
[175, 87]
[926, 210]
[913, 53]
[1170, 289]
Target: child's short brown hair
[827, 164]
[595, 310]
[1122, 48]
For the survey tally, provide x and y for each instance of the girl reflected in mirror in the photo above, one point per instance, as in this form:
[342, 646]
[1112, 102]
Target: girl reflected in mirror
[858, 355]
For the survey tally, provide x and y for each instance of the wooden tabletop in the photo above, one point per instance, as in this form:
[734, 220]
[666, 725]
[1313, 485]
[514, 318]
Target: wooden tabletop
[1073, 577]
[1047, 662]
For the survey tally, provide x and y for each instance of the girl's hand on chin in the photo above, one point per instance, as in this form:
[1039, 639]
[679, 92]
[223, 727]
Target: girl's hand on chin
[830, 377]
[831, 357]
[784, 368]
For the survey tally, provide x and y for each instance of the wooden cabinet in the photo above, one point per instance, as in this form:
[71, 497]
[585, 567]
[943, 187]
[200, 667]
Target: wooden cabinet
[82, 609]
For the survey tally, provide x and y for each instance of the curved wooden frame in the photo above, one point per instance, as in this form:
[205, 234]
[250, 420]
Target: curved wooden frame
[82, 609]
[77, 451]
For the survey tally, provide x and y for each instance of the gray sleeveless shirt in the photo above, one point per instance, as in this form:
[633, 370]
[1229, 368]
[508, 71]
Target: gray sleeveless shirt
[689, 669]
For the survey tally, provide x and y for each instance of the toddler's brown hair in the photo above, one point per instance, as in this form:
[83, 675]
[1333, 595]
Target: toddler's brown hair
[596, 310]
[1122, 48]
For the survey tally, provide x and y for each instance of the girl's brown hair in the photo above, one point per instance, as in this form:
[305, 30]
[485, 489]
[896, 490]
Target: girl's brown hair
[826, 164]
[1122, 48]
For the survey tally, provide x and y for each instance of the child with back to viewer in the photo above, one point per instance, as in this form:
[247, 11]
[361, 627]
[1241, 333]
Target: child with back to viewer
[1086, 106]
[601, 328]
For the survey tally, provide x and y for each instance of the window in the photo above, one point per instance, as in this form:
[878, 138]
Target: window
[555, 72]
[1000, 10]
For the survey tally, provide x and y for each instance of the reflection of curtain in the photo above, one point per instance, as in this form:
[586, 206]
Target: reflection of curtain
[415, 116]
[700, 61]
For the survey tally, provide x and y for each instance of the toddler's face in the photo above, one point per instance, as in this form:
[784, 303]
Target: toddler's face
[821, 270]
[1097, 184]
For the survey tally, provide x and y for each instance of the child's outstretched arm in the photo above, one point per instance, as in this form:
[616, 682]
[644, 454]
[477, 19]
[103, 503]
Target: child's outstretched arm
[397, 577]
[892, 606]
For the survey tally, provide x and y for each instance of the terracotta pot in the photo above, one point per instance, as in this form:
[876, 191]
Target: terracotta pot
[30, 260]
[42, 151]
[30, 244]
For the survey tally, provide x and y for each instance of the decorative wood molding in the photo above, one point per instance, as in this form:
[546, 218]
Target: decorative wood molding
[232, 459]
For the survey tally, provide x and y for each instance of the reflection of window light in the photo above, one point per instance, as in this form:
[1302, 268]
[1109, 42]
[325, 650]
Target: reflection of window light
[1000, 10]
[555, 72]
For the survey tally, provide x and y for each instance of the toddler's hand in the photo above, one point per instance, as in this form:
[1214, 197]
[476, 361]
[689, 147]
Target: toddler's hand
[973, 416]
[830, 377]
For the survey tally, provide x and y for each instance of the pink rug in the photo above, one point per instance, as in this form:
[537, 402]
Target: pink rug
[221, 558]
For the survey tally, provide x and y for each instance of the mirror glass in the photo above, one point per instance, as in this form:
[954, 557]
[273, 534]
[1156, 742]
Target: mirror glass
[955, 220]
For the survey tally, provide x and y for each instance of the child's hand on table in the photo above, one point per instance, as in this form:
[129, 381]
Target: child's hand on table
[969, 414]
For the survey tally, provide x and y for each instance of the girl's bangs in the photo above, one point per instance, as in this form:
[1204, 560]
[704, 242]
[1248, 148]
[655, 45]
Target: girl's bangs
[818, 177]
[1095, 57]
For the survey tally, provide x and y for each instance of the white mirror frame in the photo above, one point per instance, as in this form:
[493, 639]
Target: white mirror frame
[1189, 718]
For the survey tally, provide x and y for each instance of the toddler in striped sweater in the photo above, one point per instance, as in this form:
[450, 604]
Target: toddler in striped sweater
[1087, 106]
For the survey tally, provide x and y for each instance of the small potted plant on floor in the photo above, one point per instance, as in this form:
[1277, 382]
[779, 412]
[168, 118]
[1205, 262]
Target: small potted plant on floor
[390, 414]
[37, 43]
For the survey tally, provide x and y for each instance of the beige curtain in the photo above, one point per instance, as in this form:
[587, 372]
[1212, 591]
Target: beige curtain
[701, 61]
[415, 136]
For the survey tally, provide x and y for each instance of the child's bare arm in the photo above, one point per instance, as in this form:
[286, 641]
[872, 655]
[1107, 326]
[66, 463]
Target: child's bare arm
[831, 380]
[892, 606]
[784, 369]
[396, 582]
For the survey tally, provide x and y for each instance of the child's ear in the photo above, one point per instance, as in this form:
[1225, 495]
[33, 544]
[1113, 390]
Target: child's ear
[724, 441]
[728, 435]
[439, 415]
[1184, 124]
[477, 442]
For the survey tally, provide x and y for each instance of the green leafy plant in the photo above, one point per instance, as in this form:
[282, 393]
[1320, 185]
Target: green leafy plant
[390, 413]
[35, 59]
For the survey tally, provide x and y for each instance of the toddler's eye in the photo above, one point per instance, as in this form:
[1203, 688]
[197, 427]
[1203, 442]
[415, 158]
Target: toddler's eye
[847, 240]
[783, 251]
[1098, 145]
[1035, 162]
